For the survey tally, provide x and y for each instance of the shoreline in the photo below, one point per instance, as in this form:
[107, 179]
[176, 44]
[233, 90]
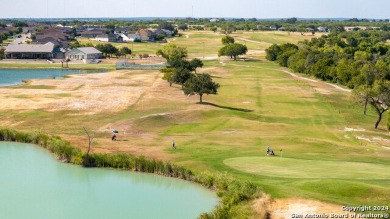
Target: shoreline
[219, 183]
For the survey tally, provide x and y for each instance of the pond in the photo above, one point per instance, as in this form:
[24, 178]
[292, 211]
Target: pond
[16, 76]
[33, 184]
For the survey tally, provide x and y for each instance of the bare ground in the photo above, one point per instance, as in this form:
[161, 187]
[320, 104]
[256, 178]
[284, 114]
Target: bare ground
[285, 208]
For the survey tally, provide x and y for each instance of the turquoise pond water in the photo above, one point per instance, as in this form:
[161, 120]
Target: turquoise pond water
[15, 76]
[33, 184]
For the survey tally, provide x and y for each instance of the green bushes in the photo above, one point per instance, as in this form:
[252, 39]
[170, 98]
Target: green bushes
[233, 192]
[345, 58]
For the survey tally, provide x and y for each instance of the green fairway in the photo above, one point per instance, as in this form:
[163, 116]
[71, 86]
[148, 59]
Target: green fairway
[299, 168]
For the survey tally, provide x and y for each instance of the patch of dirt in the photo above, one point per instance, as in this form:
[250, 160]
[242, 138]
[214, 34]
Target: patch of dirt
[87, 93]
[323, 91]
[346, 129]
[285, 208]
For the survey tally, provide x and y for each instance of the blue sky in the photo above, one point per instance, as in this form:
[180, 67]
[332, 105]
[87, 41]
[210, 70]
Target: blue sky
[202, 8]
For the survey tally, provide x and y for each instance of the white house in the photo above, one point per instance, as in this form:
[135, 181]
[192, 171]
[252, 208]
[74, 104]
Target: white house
[322, 29]
[109, 38]
[83, 53]
[130, 37]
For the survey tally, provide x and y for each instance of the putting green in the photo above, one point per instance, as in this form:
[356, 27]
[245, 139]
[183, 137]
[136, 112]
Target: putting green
[298, 168]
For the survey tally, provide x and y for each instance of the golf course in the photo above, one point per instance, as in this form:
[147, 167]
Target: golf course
[326, 149]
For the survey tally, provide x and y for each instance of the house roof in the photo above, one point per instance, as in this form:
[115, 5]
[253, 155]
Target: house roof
[133, 35]
[89, 50]
[20, 48]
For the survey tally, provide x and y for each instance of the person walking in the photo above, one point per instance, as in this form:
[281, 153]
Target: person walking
[173, 144]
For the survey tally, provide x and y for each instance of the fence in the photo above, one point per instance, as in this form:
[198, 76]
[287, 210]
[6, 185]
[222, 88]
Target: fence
[133, 66]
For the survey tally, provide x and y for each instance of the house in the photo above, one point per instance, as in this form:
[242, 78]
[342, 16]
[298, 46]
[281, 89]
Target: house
[83, 53]
[214, 20]
[109, 38]
[282, 29]
[309, 29]
[147, 35]
[164, 32]
[322, 29]
[91, 33]
[273, 27]
[130, 37]
[124, 30]
[26, 51]
[27, 30]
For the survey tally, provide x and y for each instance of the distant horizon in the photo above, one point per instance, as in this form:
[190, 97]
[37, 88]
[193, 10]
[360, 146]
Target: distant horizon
[166, 18]
[263, 9]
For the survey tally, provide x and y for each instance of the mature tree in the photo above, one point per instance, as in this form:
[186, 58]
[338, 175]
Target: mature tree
[288, 50]
[107, 49]
[378, 97]
[168, 75]
[119, 54]
[101, 48]
[273, 52]
[183, 27]
[172, 52]
[214, 29]
[2, 53]
[180, 63]
[228, 28]
[200, 84]
[20, 24]
[196, 63]
[292, 20]
[125, 51]
[227, 40]
[166, 25]
[74, 44]
[160, 37]
[181, 75]
[233, 50]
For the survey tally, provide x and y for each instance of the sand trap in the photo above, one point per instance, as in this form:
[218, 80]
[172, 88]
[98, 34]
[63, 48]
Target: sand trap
[286, 208]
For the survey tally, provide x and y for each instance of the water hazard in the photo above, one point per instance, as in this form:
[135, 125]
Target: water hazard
[16, 76]
[33, 184]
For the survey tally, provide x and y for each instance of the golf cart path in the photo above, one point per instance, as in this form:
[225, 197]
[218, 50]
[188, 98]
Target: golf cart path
[294, 75]
[247, 40]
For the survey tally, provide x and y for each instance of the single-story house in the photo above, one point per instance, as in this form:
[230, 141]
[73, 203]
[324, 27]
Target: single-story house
[30, 51]
[130, 37]
[91, 33]
[83, 53]
[109, 38]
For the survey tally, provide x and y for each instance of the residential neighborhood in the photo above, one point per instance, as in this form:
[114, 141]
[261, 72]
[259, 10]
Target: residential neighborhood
[35, 40]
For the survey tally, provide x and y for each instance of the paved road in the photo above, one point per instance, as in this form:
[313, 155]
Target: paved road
[20, 40]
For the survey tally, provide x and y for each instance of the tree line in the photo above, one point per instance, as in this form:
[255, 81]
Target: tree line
[359, 60]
